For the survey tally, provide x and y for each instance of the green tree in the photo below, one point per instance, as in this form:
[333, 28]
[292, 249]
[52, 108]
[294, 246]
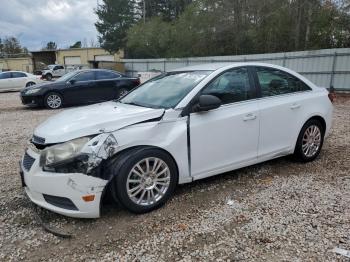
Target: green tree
[225, 27]
[11, 45]
[115, 18]
[149, 40]
[51, 46]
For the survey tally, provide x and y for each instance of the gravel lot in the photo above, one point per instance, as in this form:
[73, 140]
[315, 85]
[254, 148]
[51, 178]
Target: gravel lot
[276, 211]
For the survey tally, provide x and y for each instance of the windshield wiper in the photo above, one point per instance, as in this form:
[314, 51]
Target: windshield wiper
[132, 103]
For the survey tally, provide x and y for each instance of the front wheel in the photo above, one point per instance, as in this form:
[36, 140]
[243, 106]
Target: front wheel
[310, 141]
[53, 100]
[145, 181]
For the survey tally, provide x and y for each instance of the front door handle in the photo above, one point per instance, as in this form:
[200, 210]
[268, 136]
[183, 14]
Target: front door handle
[249, 117]
[295, 106]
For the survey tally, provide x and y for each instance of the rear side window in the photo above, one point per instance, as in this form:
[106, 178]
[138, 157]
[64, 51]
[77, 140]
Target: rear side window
[232, 86]
[5, 75]
[276, 82]
[58, 67]
[18, 75]
[102, 75]
[85, 76]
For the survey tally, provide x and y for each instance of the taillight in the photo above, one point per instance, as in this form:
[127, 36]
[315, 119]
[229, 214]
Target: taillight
[137, 81]
[332, 97]
[331, 94]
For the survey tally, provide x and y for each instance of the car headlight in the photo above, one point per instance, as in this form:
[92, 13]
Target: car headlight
[32, 91]
[62, 153]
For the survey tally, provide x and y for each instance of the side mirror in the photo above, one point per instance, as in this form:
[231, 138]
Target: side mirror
[72, 81]
[206, 103]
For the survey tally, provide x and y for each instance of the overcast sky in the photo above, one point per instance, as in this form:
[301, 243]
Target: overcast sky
[36, 22]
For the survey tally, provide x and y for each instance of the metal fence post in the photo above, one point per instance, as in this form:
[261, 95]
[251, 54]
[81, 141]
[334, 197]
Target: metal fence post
[164, 66]
[333, 69]
[284, 59]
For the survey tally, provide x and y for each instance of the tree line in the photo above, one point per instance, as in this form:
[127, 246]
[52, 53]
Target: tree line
[11, 45]
[181, 28]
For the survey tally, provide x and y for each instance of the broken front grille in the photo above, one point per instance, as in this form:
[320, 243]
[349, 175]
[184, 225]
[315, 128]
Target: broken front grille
[28, 162]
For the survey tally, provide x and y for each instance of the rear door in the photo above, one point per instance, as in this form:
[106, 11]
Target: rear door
[282, 103]
[107, 85]
[19, 80]
[82, 91]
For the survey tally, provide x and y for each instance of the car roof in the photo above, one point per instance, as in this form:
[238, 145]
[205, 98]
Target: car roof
[14, 72]
[217, 66]
[97, 69]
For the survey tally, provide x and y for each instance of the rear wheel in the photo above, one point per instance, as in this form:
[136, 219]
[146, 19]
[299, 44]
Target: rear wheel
[48, 77]
[122, 92]
[145, 181]
[30, 84]
[53, 100]
[310, 141]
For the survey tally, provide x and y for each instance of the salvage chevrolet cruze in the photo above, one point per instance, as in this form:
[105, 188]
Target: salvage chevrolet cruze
[181, 126]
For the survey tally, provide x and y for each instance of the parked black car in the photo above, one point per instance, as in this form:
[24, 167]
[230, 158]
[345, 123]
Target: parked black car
[79, 87]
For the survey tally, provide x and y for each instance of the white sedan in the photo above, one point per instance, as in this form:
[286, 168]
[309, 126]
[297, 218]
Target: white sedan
[181, 126]
[17, 80]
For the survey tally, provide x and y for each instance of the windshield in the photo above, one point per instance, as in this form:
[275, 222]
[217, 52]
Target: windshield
[66, 77]
[50, 67]
[165, 91]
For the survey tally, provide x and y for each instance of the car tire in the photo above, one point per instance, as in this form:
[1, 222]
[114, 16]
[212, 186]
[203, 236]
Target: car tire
[136, 189]
[53, 100]
[48, 77]
[122, 92]
[310, 141]
[30, 84]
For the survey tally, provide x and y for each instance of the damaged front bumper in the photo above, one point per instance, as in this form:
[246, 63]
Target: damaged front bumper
[63, 193]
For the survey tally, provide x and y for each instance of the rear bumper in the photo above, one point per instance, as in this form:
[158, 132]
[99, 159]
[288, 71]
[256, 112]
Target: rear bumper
[62, 193]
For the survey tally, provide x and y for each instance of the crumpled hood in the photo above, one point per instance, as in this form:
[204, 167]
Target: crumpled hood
[94, 119]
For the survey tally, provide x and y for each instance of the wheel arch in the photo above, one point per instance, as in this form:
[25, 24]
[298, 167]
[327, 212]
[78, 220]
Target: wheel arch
[30, 81]
[315, 117]
[121, 155]
[43, 96]
[320, 119]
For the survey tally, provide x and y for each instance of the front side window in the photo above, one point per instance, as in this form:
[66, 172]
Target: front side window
[5, 75]
[276, 82]
[165, 91]
[85, 76]
[103, 75]
[18, 75]
[232, 86]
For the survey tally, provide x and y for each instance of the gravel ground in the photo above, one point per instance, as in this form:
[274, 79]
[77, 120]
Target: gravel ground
[277, 211]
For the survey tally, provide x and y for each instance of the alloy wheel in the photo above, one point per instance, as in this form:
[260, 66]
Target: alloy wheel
[311, 141]
[54, 101]
[148, 181]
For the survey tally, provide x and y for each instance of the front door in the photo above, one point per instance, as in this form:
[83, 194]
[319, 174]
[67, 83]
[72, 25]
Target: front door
[82, 89]
[5, 81]
[227, 137]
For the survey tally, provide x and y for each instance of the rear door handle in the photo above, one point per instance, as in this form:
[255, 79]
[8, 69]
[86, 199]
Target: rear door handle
[249, 117]
[295, 106]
